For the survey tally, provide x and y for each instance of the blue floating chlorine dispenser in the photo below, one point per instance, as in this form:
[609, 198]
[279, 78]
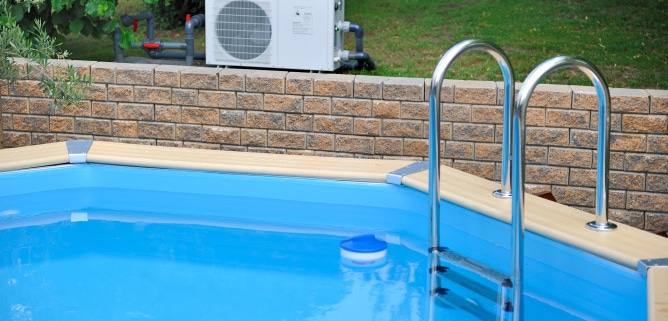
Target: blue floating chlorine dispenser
[363, 250]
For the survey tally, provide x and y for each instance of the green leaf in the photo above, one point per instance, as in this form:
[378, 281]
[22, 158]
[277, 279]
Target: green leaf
[110, 26]
[76, 26]
[127, 37]
[57, 5]
[17, 11]
[91, 8]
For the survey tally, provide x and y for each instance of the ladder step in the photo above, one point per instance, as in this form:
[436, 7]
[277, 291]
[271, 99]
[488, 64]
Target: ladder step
[452, 299]
[465, 263]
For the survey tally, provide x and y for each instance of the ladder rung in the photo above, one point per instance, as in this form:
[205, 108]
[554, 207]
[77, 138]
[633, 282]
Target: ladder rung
[475, 266]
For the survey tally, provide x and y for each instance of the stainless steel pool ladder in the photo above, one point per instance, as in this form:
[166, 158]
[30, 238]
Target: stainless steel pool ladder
[437, 253]
[518, 165]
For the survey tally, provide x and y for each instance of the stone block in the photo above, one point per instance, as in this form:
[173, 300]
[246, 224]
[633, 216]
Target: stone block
[629, 100]
[415, 147]
[570, 157]
[415, 110]
[317, 141]
[299, 122]
[135, 111]
[120, 93]
[403, 89]
[402, 128]
[386, 109]
[657, 144]
[154, 95]
[134, 74]
[643, 201]
[473, 132]
[232, 118]
[657, 183]
[249, 101]
[96, 92]
[351, 107]
[456, 113]
[547, 136]
[369, 86]
[298, 83]
[253, 137]
[650, 124]
[124, 128]
[168, 76]
[209, 98]
[646, 163]
[283, 103]
[104, 72]
[156, 130]
[92, 126]
[488, 152]
[222, 135]
[30, 123]
[659, 101]
[540, 174]
[199, 78]
[286, 139]
[186, 97]
[628, 142]
[459, 150]
[353, 144]
[197, 115]
[567, 118]
[551, 96]
[485, 114]
[265, 120]
[367, 126]
[232, 79]
[189, 132]
[333, 85]
[14, 105]
[475, 92]
[266, 81]
[447, 91]
[101, 109]
[333, 124]
[318, 105]
[168, 113]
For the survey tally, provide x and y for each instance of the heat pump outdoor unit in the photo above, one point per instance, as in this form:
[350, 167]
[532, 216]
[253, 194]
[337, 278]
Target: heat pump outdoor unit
[280, 34]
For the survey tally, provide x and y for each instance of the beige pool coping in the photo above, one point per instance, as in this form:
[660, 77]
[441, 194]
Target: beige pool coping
[626, 245]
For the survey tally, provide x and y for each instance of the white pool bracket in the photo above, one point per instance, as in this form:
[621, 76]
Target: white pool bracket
[395, 176]
[645, 265]
[77, 150]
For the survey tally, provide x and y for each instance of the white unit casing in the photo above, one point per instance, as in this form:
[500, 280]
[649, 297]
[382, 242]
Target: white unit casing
[277, 34]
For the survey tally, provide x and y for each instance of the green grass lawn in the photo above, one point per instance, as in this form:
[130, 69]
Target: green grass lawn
[626, 40]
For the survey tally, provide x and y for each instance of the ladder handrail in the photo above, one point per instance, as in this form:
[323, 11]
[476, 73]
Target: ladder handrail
[435, 133]
[518, 164]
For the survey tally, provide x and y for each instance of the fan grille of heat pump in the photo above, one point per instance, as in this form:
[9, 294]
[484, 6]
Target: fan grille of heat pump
[243, 29]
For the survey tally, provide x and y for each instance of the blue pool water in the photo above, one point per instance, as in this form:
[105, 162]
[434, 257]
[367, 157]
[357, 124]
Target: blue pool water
[98, 242]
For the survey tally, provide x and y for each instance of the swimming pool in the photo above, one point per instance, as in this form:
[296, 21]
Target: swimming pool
[133, 232]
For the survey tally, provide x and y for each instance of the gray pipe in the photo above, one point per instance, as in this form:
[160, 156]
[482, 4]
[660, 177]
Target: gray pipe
[363, 58]
[195, 21]
[173, 55]
[118, 51]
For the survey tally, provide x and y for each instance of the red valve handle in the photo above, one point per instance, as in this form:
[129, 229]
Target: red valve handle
[135, 24]
[151, 45]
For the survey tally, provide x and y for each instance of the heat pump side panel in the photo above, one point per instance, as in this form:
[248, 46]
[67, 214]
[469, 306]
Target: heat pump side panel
[306, 33]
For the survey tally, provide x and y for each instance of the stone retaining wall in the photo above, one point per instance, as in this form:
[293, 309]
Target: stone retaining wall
[364, 116]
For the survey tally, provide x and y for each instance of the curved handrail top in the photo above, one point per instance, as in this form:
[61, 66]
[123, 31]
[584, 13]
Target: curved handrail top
[435, 117]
